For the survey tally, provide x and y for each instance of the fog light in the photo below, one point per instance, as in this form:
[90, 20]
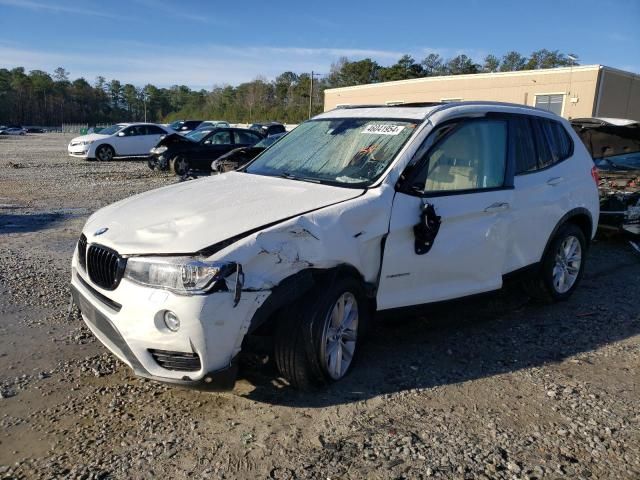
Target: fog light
[172, 321]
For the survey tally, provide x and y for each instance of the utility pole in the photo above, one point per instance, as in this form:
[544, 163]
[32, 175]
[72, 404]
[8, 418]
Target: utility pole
[311, 92]
[311, 95]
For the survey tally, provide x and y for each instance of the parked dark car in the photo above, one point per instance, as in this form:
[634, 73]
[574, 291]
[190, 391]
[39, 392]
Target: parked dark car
[268, 128]
[196, 150]
[35, 130]
[185, 126]
[614, 145]
[240, 156]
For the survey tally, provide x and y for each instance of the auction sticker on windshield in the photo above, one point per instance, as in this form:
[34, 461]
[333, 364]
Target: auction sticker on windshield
[380, 129]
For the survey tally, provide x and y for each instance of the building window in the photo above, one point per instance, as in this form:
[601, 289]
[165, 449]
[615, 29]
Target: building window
[550, 103]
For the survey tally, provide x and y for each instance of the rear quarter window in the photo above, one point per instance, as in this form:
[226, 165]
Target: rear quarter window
[524, 148]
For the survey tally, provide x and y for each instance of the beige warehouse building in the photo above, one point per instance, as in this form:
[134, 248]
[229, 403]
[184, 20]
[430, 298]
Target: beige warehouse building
[573, 92]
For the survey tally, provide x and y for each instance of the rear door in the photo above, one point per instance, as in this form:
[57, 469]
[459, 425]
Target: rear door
[150, 139]
[543, 177]
[244, 138]
[462, 172]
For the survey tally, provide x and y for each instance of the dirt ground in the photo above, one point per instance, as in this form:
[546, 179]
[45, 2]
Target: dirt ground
[492, 388]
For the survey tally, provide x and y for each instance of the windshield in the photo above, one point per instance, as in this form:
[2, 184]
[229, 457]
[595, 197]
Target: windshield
[347, 151]
[176, 125]
[265, 142]
[111, 130]
[197, 135]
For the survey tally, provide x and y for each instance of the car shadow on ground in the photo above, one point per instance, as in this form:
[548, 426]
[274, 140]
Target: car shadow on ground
[481, 337]
[27, 222]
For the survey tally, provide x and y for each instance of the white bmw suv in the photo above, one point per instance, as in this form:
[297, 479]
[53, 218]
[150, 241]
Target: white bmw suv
[119, 140]
[360, 209]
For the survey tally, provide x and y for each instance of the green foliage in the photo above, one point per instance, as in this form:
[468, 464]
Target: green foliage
[40, 98]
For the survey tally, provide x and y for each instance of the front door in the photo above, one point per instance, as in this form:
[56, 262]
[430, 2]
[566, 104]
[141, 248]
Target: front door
[461, 171]
[128, 141]
[211, 147]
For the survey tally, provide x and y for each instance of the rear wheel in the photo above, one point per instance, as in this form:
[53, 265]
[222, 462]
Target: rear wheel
[179, 165]
[105, 153]
[317, 336]
[562, 266]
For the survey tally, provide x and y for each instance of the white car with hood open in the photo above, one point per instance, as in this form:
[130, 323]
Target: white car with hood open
[119, 140]
[360, 209]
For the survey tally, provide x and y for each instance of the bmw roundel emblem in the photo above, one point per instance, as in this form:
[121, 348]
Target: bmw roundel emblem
[100, 231]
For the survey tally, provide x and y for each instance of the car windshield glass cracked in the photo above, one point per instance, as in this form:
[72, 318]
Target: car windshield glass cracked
[347, 151]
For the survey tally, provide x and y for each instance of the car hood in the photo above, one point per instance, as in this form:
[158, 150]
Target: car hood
[89, 137]
[191, 216]
[172, 138]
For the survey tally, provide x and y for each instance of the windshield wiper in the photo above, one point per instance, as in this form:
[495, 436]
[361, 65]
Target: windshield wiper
[289, 176]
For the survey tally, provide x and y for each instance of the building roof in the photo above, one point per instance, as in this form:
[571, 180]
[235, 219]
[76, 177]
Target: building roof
[519, 73]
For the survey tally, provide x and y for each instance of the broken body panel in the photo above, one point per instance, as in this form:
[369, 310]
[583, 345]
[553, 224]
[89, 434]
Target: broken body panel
[614, 145]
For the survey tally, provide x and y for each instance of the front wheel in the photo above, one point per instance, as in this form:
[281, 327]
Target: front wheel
[562, 266]
[105, 153]
[179, 165]
[317, 337]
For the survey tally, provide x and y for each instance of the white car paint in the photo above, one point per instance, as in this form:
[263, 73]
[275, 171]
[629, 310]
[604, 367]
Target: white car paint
[124, 145]
[290, 226]
[13, 131]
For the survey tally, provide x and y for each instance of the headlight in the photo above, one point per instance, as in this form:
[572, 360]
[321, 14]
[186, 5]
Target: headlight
[87, 142]
[161, 149]
[183, 275]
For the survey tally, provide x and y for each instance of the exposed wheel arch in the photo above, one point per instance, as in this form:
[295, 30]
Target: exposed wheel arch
[295, 286]
[579, 216]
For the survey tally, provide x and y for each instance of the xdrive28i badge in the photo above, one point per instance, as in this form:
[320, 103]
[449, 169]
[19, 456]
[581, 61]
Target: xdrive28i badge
[100, 231]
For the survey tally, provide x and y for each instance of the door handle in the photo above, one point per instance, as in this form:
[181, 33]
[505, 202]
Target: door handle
[553, 181]
[497, 207]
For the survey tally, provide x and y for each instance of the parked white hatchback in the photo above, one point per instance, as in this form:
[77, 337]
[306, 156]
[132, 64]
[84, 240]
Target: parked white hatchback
[360, 209]
[119, 140]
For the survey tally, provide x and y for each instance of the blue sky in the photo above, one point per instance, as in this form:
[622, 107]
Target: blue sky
[202, 43]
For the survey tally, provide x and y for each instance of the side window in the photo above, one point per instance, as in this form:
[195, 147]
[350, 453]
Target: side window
[219, 138]
[471, 156]
[524, 148]
[561, 140]
[543, 152]
[129, 132]
[153, 130]
[246, 138]
[554, 143]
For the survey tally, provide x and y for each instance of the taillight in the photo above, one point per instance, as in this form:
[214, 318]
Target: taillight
[594, 174]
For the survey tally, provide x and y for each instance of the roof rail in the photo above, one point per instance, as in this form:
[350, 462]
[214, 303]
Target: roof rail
[392, 105]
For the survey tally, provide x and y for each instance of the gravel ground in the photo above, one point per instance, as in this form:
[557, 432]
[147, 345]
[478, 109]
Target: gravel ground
[498, 388]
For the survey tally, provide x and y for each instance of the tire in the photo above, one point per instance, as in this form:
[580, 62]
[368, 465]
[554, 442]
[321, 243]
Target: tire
[313, 338]
[151, 164]
[561, 268]
[105, 153]
[179, 165]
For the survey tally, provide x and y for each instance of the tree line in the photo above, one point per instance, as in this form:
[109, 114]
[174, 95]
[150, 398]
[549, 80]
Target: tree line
[39, 98]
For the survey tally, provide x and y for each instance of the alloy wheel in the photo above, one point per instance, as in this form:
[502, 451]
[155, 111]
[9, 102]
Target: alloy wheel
[340, 335]
[567, 264]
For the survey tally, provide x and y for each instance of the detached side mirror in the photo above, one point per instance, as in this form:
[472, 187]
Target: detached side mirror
[426, 230]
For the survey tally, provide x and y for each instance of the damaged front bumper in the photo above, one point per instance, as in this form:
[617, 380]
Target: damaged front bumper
[202, 354]
[158, 161]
